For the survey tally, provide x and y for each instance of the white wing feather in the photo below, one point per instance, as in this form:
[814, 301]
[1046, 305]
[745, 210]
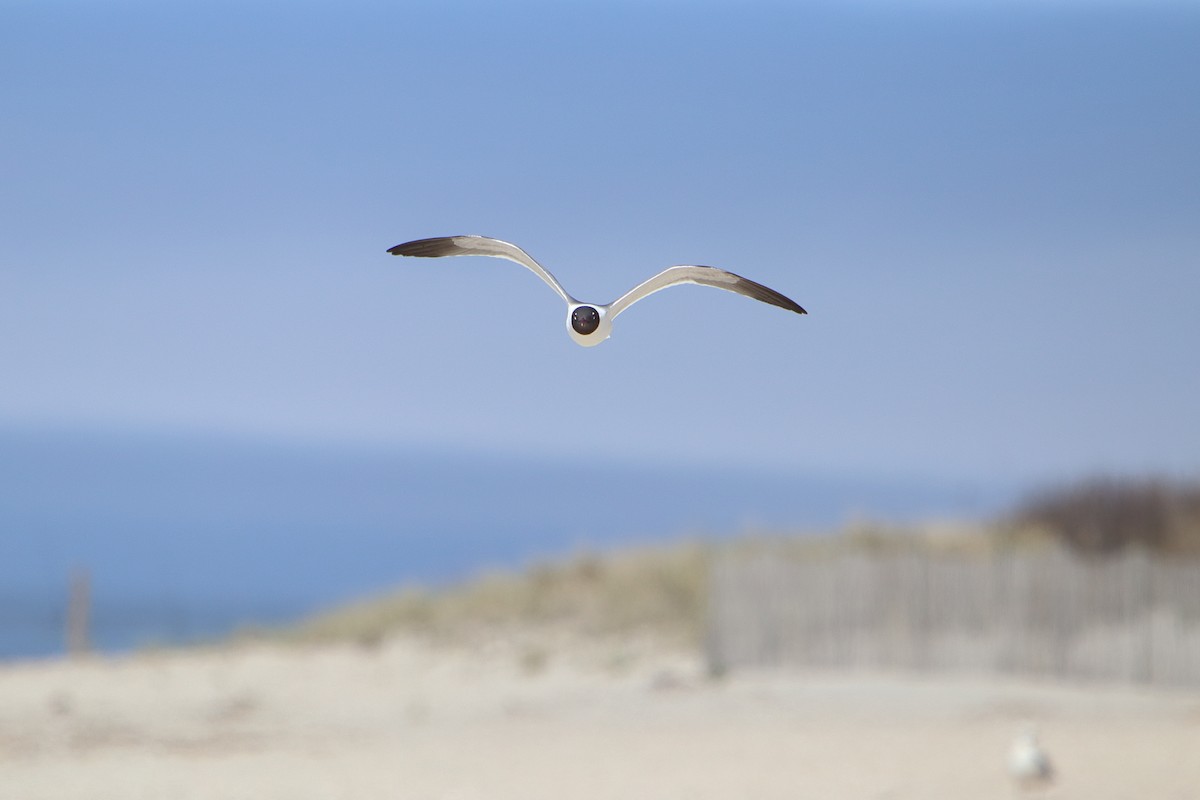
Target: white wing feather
[703, 276]
[477, 246]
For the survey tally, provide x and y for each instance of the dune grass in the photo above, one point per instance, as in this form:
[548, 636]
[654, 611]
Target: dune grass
[653, 591]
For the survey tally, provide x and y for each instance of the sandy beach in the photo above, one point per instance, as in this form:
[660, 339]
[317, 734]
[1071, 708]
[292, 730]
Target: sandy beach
[583, 719]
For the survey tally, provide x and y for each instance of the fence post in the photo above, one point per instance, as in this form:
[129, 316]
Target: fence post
[79, 602]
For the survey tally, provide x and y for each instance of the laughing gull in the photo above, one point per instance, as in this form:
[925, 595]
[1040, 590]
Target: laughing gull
[589, 324]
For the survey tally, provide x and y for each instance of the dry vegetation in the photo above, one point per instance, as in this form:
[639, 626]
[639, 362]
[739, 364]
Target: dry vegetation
[662, 592]
[659, 593]
[655, 592]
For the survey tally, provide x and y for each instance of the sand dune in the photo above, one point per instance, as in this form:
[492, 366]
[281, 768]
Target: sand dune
[558, 719]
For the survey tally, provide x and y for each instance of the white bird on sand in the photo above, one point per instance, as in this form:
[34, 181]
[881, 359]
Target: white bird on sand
[589, 324]
[1028, 764]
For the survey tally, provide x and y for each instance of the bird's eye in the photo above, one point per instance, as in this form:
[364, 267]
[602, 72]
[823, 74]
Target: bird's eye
[585, 320]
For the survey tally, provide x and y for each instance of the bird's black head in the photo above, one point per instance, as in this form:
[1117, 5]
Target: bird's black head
[585, 320]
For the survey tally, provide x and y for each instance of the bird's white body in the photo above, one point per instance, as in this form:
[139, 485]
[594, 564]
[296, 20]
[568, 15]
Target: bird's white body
[1028, 764]
[602, 332]
[589, 324]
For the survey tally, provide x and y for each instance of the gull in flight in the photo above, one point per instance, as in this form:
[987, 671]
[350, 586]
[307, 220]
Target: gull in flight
[589, 324]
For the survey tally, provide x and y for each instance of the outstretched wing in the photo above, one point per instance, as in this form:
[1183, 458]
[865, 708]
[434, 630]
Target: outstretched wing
[704, 276]
[477, 246]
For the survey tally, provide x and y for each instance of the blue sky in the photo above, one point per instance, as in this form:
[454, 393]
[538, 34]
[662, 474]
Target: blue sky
[991, 212]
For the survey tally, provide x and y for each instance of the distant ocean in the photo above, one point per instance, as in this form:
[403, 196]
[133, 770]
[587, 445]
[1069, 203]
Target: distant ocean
[188, 538]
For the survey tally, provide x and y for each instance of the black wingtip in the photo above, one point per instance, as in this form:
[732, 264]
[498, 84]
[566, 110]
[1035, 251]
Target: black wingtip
[430, 248]
[785, 302]
[416, 247]
[769, 295]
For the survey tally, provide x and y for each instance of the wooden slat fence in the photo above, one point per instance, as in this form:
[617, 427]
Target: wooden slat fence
[1132, 618]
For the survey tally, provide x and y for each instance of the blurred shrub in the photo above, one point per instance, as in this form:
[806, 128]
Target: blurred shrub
[1104, 515]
